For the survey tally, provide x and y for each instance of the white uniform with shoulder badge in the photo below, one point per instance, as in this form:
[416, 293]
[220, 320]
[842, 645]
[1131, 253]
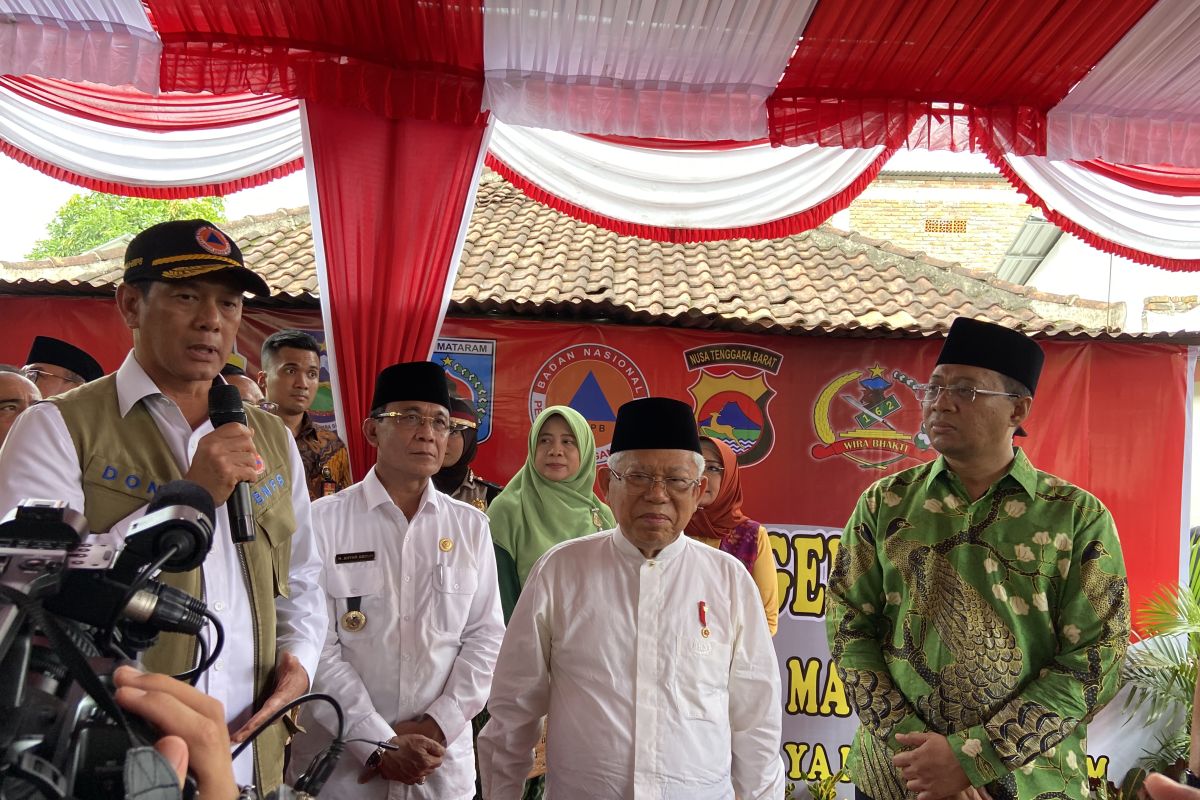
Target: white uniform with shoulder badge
[415, 628]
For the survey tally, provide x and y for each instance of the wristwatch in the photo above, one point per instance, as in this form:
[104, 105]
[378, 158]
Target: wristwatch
[375, 758]
[1191, 779]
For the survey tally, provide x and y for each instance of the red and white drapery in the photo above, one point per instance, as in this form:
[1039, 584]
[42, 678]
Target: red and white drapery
[1072, 80]
[170, 145]
[1139, 105]
[101, 41]
[684, 194]
[185, 98]
[386, 266]
[697, 70]
[1117, 216]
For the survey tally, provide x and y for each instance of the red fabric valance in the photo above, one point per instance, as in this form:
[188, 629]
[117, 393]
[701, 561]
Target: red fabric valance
[1175, 181]
[866, 72]
[395, 58]
[126, 107]
[388, 222]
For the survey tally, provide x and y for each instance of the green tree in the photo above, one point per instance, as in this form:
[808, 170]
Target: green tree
[89, 220]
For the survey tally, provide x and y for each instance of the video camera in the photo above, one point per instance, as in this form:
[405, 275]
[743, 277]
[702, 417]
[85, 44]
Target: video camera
[71, 610]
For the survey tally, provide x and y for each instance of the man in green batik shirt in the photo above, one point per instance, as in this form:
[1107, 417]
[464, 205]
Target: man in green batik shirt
[977, 610]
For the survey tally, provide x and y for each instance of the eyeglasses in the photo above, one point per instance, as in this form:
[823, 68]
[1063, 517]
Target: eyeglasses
[37, 374]
[267, 406]
[407, 419]
[641, 482]
[928, 393]
[715, 469]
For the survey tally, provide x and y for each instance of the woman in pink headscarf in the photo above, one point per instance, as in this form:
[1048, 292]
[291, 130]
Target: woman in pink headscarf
[720, 522]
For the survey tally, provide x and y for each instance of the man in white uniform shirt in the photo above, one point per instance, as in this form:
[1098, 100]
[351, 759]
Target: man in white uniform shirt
[104, 448]
[413, 607]
[648, 650]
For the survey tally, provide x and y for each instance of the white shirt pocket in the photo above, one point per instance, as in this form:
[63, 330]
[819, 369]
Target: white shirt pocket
[454, 590]
[364, 581]
[702, 677]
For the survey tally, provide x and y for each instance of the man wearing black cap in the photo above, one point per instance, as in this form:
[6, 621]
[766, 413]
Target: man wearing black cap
[977, 610]
[648, 650]
[105, 447]
[413, 607]
[55, 366]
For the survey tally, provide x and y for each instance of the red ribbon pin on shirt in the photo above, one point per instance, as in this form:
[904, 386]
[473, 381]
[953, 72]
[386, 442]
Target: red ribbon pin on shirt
[704, 631]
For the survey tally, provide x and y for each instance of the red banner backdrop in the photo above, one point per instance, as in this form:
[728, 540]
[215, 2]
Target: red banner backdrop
[814, 420]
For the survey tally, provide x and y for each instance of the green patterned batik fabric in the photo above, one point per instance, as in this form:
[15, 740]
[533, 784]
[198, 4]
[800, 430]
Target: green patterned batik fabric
[1000, 623]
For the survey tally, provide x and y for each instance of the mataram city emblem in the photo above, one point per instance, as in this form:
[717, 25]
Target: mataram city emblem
[470, 366]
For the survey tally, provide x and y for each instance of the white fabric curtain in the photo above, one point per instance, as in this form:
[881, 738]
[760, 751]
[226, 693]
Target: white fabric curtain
[1157, 224]
[688, 69]
[1140, 104]
[139, 158]
[714, 189]
[101, 41]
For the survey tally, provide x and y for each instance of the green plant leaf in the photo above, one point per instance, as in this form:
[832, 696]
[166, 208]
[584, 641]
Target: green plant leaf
[92, 219]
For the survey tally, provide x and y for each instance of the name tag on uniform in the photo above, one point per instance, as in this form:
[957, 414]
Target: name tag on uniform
[354, 558]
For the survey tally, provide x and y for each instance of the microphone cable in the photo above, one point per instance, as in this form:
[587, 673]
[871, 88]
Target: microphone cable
[206, 660]
[323, 764]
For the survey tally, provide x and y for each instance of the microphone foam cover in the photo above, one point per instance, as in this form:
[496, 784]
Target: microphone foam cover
[184, 493]
[225, 405]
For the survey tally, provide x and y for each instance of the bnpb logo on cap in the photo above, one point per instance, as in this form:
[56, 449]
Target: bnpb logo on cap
[213, 241]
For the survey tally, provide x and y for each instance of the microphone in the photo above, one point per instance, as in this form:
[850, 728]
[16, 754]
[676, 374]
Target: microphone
[225, 406]
[180, 519]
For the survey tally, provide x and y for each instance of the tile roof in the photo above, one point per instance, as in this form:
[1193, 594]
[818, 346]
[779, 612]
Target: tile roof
[522, 258]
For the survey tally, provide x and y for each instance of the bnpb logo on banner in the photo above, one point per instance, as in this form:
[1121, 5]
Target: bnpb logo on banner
[593, 379]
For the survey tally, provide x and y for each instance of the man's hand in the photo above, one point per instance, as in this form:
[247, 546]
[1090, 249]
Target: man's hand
[973, 793]
[414, 759]
[930, 769]
[193, 725]
[1160, 787]
[425, 725]
[291, 681]
[224, 458]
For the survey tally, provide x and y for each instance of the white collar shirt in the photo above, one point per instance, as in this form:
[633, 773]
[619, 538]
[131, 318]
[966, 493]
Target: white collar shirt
[39, 460]
[428, 589]
[648, 697]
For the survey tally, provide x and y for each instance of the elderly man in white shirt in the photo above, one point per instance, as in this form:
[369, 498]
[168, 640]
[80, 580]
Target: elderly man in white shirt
[648, 650]
[413, 607]
[104, 448]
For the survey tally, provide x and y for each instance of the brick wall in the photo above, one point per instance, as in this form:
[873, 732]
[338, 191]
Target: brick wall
[971, 219]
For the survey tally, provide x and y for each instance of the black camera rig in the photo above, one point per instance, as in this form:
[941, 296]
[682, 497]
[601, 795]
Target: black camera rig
[73, 607]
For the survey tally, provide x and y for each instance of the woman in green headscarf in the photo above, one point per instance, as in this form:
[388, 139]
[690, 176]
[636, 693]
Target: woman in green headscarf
[549, 501]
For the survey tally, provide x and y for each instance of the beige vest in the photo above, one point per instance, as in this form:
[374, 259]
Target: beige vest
[124, 461]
